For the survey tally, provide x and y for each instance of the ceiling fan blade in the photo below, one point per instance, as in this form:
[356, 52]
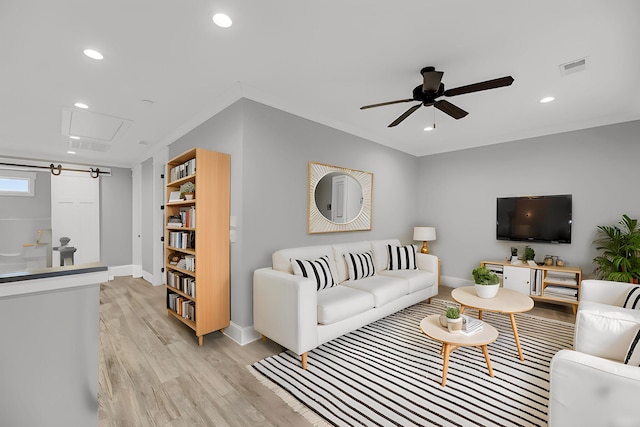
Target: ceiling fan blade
[476, 87]
[450, 109]
[431, 81]
[387, 103]
[404, 115]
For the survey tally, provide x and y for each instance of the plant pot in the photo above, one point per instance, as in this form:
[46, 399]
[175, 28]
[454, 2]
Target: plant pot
[487, 291]
[454, 325]
[443, 321]
[188, 196]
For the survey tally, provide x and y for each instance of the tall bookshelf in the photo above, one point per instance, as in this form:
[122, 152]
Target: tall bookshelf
[197, 250]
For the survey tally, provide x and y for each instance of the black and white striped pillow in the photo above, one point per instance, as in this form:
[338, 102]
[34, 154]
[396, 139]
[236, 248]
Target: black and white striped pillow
[633, 298]
[318, 269]
[633, 354]
[360, 265]
[402, 257]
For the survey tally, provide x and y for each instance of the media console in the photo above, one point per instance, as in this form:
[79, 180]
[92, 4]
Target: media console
[558, 285]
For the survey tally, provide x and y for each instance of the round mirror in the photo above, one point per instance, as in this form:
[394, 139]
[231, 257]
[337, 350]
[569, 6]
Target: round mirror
[338, 197]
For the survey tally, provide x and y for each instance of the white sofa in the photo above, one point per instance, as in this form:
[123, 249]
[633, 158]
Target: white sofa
[289, 310]
[590, 385]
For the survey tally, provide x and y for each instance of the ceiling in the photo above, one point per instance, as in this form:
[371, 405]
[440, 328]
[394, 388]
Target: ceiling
[167, 68]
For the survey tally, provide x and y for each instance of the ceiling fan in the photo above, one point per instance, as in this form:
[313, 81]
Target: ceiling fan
[432, 88]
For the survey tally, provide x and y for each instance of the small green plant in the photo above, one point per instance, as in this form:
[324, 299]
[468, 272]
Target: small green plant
[452, 313]
[187, 187]
[484, 276]
[529, 253]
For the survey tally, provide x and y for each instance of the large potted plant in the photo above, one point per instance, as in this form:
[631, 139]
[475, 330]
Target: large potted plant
[486, 281]
[619, 260]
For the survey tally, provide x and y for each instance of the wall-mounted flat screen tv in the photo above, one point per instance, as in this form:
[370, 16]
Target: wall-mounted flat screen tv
[545, 219]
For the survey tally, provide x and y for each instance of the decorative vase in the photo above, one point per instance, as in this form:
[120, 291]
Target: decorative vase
[487, 291]
[454, 325]
[443, 320]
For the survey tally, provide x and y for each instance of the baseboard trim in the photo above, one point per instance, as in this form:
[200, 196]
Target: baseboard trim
[242, 336]
[455, 282]
[120, 270]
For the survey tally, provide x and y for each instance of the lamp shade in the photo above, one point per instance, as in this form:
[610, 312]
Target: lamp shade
[424, 234]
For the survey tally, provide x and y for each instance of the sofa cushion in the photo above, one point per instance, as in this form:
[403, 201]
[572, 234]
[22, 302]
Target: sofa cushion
[381, 252]
[402, 257]
[341, 302]
[632, 300]
[633, 353]
[319, 270]
[384, 289]
[418, 279]
[360, 265]
[281, 260]
[341, 263]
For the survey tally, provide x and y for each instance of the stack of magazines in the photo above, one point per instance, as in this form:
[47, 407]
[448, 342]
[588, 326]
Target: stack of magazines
[470, 325]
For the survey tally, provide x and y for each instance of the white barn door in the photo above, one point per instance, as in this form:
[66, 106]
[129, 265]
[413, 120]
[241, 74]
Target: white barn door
[75, 213]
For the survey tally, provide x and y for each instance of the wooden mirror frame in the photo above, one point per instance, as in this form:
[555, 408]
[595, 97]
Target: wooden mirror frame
[317, 223]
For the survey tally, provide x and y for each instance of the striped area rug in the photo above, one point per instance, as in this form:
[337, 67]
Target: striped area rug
[388, 374]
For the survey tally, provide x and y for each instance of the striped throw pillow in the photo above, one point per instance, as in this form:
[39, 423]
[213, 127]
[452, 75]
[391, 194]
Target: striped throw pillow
[402, 257]
[360, 265]
[633, 298]
[633, 354]
[318, 270]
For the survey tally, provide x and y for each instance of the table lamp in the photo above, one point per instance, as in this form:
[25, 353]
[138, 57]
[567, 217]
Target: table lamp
[425, 234]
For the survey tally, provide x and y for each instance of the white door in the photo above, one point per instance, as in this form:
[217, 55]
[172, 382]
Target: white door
[517, 278]
[75, 213]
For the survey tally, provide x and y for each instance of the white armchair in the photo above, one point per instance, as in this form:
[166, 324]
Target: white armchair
[590, 385]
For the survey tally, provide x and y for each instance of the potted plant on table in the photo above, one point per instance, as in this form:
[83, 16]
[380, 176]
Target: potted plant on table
[486, 281]
[454, 321]
[188, 189]
[620, 246]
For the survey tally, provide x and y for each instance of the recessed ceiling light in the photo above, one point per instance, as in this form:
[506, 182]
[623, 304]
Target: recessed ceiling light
[547, 99]
[71, 152]
[74, 137]
[428, 128]
[81, 105]
[222, 20]
[93, 54]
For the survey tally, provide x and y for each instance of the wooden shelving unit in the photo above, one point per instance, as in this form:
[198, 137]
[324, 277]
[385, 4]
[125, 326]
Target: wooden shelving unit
[206, 240]
[564, 279]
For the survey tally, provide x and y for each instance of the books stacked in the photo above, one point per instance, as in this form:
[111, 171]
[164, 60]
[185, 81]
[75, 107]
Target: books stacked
[187, 263]
[175, 221]
[188, 216]
[182, 282]
[470, 326]
[185, 169]
[182, 240]
[183, 306]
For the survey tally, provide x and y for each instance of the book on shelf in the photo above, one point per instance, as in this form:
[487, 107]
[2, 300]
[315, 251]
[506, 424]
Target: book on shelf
[560, 292]
[180, 171]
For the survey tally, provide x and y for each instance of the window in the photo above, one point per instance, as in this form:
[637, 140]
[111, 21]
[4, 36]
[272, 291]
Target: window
[16, 183]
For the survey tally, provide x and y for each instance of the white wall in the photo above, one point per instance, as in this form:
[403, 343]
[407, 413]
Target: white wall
[598, 166]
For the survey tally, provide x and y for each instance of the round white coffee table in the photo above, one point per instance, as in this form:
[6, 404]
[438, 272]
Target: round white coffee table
[506, 301]
[431, 327]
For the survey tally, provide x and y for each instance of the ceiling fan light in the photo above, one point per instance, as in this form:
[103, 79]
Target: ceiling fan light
[428, 128]
[81, 105]
[547, 99]
[93, 54]
[222, 20]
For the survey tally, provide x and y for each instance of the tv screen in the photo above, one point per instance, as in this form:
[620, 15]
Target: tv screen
[544, 219]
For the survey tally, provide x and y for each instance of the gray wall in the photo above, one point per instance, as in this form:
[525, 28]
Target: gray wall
[270, 151]
[115, 218]
[598, 166]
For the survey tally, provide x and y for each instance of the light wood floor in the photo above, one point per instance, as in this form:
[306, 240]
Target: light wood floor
[153, 373]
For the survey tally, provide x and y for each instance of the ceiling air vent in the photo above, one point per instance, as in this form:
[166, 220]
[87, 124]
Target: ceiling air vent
[573, 66]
